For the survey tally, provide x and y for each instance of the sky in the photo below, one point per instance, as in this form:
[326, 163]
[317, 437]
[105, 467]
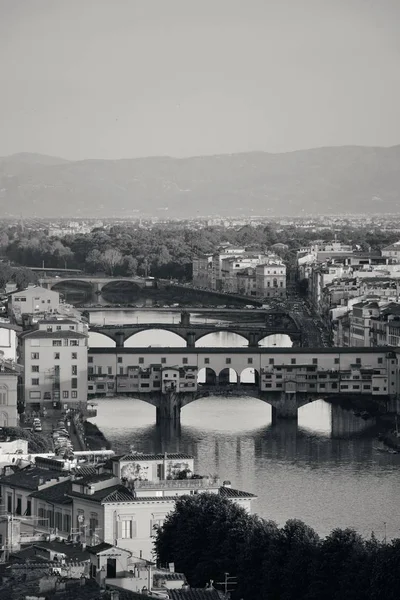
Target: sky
[133, 78]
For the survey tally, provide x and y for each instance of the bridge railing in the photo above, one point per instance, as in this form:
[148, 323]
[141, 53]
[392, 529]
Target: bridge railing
[204, 482]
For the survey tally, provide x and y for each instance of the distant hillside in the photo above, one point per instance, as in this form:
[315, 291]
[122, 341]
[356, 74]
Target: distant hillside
[347, 179]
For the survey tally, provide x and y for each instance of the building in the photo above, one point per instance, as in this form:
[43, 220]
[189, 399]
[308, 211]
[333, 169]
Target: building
[121, 508]
[202, 269]
[35, 300]
[392, 251]
[9, 374]
[54, 359]
[370, 323]
[8, 340]
[271, 279]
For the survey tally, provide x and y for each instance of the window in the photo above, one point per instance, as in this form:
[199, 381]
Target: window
[65, 394]
[58, 520]
[90, 370]
[315, 361]
[36, 395]
[99, 370]
[58, 328]
[292, 361]
[337, 360]
[35, 381]
[35, 355]
[163, 361]
[322, 385]
[49, 329]
[154, 525]
[57, 370]
[141, 360]
[121, 370]
[28, 511]
[18, 508]
[74, 370]
[228, 361]
[206, 361]
[344, 387]
[380, 360]
[93, 523]
[271, 361]
[35, 368]
[74, 383]
[72, 327]
[128, 529]
[109, 370]
[119, 360]
[9, 503]
[90, 358]
[56, 342]
[358, 361]
[66, 343]
[74, 394]
[74, 343]
[184, 361]
[366, 386]
[74, 356]
[356, 387]
[249, 361]
[56, 356]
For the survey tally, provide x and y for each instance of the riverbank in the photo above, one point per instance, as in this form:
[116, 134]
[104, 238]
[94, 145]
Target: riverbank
[94, 439]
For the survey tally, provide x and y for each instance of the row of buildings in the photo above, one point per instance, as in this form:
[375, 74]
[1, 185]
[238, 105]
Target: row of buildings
[239, 271]
[356, 292]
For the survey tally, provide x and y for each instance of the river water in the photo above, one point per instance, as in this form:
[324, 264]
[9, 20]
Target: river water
[323, 470]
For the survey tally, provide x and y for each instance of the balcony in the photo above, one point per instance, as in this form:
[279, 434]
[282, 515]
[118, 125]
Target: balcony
[178, 484]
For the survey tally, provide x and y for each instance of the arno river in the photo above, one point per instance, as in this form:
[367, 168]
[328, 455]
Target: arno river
[323, 470]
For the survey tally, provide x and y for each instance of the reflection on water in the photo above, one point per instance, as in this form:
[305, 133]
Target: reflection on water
[319, 471]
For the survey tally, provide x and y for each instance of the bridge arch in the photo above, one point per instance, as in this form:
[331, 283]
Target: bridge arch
[100, 340]
[206, 376]
[280, 340]
[250, 375]
[228, 376]
[120, 285]
[151, 336]
[219, 339]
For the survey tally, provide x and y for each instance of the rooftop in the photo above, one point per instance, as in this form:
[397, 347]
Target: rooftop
[31, 478]
[39, 333]
[55, 494]
[73, 552]
[195, 594]
[114, 493]
[227, 492]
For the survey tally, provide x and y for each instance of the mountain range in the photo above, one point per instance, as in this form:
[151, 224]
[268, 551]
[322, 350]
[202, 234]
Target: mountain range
[332, 180]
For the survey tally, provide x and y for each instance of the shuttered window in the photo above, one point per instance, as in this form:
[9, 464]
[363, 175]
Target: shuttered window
[126, 529]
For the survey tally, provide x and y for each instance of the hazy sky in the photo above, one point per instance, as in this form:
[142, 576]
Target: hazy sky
[126, 78]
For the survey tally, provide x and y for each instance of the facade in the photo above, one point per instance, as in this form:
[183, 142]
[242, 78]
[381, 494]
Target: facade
[8, 395]
[8, 340]
[369, 323]
[34, 300]
[392, 251]
[54, 358]
[202, 267]
[300, 369]
[271, 279]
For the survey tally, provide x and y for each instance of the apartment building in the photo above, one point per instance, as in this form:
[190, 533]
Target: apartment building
[54, 358]
[202, 271]
[271, 279]
[392, 251]
[34, 300]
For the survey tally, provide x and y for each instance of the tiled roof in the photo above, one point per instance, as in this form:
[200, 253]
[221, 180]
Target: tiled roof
[99, 548]
[140, 456]
[123, 495]
[73, 552]
[58, 321]
[85, 471]
[55, 494]
[31, 478]
[232, 493]
[196, 594]
[93, 478]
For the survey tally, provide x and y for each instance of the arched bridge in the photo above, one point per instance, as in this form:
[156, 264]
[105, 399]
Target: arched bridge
[97, 283]
[191, 333]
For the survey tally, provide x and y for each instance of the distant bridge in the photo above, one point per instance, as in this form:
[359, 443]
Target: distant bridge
[253, 333]
[97, 283]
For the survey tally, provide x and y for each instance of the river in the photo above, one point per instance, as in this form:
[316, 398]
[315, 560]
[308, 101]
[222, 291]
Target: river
[323, 470]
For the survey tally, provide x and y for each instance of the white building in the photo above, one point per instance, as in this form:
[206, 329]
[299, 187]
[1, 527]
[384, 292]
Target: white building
[271, 279]
[8, 395]
[33, 301]
[54, 357]
[8, 340]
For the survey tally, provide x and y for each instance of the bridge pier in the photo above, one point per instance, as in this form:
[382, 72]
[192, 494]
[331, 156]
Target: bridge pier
[191, 339]
[169, 407]
[120, 339]
[284, 405]
[253, 340]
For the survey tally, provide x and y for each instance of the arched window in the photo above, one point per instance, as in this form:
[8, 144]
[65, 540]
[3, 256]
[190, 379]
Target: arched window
[275, 282]
[3, 419]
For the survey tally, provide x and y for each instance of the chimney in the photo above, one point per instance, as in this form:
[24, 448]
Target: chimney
[227, 484]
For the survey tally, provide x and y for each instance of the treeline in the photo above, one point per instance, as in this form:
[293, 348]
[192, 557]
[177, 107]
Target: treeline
[207, 536]
[163, 251]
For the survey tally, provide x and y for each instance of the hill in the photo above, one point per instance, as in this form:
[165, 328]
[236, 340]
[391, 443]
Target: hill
[348, 179]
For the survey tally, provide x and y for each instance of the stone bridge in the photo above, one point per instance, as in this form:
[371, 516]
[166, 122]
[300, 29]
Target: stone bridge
[97, 283]
[191, 333]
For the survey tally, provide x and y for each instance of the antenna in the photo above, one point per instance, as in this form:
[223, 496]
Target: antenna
[228, 581]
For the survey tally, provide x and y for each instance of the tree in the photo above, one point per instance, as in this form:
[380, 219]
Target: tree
[202, 537]
[110, 259]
